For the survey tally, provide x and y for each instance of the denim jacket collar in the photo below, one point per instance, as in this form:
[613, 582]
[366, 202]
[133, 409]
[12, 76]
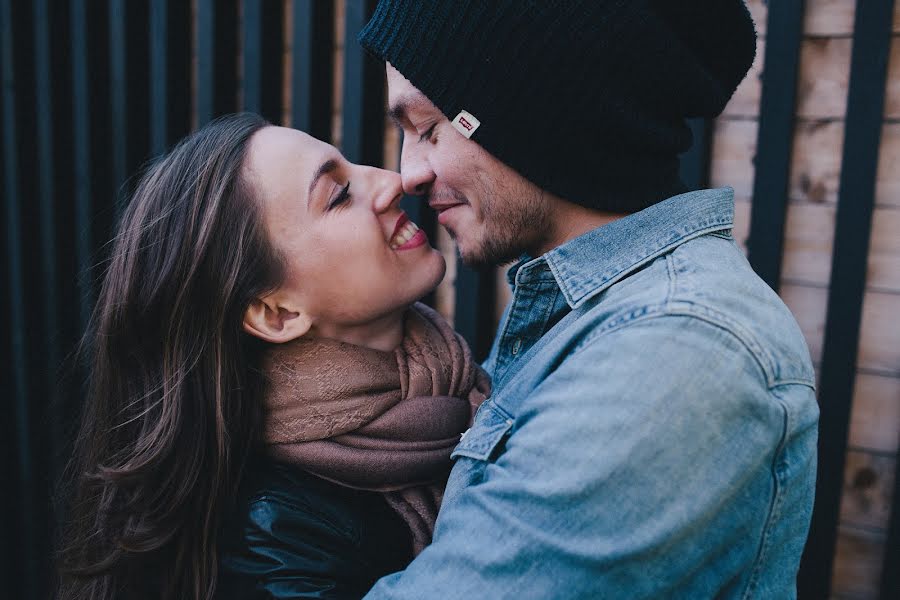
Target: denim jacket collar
[585, 266]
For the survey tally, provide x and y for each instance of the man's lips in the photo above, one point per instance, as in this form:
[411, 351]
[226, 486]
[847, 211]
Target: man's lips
[440, 207]
[445, 211]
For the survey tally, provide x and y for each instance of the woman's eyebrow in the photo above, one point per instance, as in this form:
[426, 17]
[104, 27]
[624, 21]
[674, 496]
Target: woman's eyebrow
[326, 167]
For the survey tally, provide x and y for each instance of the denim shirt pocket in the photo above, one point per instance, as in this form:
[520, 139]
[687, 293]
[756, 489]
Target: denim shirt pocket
[490, 428]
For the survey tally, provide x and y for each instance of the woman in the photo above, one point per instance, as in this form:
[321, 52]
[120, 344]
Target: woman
[254, 327]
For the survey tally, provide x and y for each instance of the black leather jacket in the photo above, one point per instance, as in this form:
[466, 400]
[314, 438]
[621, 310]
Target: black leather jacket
[294, 535]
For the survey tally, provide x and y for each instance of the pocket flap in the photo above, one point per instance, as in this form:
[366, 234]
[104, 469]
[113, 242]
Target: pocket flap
[486, 432]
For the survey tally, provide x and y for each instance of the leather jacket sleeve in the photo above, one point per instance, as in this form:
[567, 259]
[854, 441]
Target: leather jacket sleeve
[289, 553]
[296, 536]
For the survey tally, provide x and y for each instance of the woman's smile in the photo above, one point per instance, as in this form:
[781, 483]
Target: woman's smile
[407, 235]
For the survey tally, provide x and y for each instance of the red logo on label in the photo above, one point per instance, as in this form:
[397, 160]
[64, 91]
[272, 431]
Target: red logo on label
[464, 123]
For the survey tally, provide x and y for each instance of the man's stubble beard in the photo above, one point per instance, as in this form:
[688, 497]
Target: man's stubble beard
[510, 229]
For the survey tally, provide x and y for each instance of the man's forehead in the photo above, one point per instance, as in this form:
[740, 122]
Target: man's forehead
[403, 97]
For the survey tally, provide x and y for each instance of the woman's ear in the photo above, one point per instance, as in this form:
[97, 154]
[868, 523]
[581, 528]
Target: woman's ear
[267, 320]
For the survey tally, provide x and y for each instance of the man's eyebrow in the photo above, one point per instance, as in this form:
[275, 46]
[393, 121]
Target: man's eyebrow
[399, 109]
[326, 167]
[397, 112]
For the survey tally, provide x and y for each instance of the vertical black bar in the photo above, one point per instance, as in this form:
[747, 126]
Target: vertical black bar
[473, 315]
[206, 61]
[9, 465]
[159, 76]
[890, 566]
[312, 67]
[216, 59]
[170, 73]
[46, 195]
[179, 60]
[263, 57]
[19, 394]
[363, 102]
[695, 162]
[118, 49]
[81, 158]
[856, 200]
[272, 71]
[66, 399]
[129, 68]
[252, 55]
[45, 183]
[226, 64]
[775, 138]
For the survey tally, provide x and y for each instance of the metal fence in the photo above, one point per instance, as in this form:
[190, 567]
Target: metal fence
[92, 89]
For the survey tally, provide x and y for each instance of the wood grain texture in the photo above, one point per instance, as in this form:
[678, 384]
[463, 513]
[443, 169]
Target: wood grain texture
[815, 162]
[823, 17]
[809, 241]
[875, 423]
[879, 347]
[745, 101]
[857, 563]
[821, 87]
[822, 83]
[868, 487]
[733, 148]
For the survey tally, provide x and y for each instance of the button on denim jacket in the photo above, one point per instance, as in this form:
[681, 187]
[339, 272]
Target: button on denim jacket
[652, 430]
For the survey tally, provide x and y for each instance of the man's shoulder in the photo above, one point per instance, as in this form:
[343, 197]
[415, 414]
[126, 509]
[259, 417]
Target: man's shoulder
[704, 287]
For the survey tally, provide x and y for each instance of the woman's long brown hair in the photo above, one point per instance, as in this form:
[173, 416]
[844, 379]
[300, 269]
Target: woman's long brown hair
[174, 401]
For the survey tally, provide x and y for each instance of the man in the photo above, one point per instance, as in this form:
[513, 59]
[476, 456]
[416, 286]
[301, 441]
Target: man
[652, 429]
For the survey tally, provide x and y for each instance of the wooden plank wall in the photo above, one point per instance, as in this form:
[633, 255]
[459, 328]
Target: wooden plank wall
[815, 173]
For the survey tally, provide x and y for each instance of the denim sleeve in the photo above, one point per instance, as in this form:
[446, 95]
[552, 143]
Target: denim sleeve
[642, 467]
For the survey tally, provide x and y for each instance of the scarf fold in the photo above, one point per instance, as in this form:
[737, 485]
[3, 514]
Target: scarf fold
[375, 420]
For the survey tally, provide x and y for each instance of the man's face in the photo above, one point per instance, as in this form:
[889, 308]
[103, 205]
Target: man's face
[492, 212]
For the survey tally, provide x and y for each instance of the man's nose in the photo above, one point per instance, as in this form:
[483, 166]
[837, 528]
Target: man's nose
[415, 170]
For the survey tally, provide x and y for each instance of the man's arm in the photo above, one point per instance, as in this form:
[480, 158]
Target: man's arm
[642, 467]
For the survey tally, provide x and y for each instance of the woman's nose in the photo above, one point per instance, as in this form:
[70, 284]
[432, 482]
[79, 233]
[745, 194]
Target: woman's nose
[389, 190]
[415, 170]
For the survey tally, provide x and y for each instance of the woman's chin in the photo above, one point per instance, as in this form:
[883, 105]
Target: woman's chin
[439, 269]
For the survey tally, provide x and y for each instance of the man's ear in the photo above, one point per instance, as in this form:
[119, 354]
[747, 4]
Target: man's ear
[267, 320]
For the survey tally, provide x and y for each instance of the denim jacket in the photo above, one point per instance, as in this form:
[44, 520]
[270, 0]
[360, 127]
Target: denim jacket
[652, 430]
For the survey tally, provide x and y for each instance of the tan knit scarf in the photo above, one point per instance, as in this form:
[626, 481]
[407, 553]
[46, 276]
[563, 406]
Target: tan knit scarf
[375, 420]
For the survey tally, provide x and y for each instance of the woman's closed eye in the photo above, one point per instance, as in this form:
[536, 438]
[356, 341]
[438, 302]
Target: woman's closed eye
[342, 197]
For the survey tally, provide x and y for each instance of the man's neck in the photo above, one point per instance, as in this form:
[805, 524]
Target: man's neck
[572, 220]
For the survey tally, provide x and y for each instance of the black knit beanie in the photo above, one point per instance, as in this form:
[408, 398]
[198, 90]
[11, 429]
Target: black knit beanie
[585, 98]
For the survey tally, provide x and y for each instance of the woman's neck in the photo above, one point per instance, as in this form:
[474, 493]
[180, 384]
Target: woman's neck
[384, 333]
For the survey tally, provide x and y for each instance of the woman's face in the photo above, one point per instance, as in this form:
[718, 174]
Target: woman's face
[352, 256]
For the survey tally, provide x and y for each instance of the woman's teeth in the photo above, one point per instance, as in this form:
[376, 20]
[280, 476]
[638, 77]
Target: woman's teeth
[404, 235]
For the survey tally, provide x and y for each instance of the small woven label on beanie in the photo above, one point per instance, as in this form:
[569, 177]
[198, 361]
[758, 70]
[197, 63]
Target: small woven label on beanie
[466, 123]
